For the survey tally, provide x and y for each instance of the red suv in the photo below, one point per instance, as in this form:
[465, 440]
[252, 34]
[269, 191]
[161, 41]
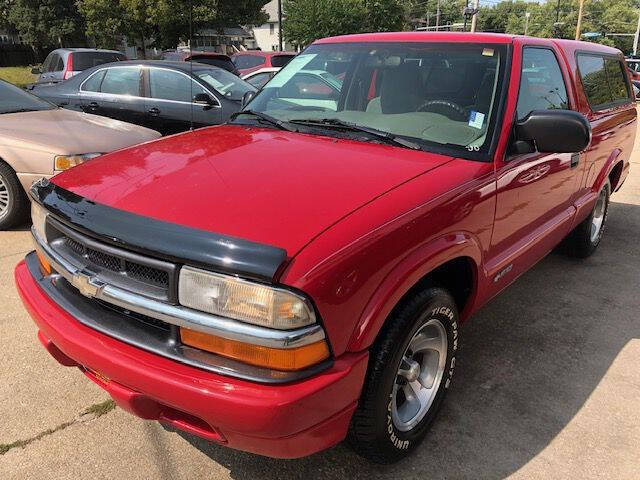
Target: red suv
[300, 275]
[253, 60]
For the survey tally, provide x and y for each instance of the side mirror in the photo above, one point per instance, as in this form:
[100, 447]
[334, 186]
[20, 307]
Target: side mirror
[203, 99]
[247, 97]
[36, 71]
[552, 131]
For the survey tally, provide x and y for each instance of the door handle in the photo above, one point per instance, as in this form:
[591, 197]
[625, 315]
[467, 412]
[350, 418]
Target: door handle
[93, 106]
[575, 159]
[154, 111]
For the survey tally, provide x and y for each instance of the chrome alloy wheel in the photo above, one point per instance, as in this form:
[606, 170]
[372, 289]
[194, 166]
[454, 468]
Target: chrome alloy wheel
[598, 215]
[419, 375]
[4, 197]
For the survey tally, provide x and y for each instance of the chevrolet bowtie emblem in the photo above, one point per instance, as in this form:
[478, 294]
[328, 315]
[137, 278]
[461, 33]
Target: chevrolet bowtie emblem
[83, 283]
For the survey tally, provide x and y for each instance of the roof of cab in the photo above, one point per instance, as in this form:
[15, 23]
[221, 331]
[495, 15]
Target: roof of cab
[419, 36]
[463, 37]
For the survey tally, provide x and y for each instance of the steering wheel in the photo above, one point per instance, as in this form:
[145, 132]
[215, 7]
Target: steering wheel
[458, 112]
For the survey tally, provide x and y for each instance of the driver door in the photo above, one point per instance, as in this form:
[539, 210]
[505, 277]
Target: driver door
[535, 191]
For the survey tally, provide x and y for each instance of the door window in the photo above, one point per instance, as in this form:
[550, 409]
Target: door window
[603, 80]
[170, 85]
[122, 81]
[93, 82]
[541, 84]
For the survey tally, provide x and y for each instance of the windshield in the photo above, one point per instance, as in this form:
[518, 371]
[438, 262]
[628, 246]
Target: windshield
[442, 96]
[14, 100]
[225, 83]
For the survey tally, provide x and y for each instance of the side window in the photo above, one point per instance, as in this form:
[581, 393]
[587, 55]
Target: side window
[541, 84]
[122, 81]
[248, 61]
[603, 80]
[169, 85]
[616, 76]
[47, 62]
[260, 79]
[53, 63]
[92, 84]
[59, 65]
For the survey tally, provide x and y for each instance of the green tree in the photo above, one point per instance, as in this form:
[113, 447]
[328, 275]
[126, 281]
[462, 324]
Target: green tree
[165, 22]
[308, 20]
[45, 23]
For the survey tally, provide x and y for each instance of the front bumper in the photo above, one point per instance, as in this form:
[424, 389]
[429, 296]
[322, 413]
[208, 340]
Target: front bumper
[285, 421]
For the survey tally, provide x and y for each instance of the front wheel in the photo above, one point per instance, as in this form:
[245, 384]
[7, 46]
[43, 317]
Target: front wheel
[586, 237]
[410, 369]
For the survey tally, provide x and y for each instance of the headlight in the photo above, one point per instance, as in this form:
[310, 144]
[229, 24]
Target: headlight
[65, 162]
[38, 217]
[249, 302]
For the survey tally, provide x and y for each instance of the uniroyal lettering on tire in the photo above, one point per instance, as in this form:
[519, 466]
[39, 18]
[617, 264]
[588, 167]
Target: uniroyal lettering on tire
[388, 424]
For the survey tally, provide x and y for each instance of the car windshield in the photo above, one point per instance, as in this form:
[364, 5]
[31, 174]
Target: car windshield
[225, 83]
[442, 96]
[15, 100]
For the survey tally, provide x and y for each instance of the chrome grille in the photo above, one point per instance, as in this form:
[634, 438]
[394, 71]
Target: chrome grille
[114, 265]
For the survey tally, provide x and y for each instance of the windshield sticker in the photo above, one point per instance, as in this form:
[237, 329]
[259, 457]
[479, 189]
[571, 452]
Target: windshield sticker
[487, 52]
[293, 67]
[476, 119]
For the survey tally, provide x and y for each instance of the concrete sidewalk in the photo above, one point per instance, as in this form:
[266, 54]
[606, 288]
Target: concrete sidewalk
[547, 386]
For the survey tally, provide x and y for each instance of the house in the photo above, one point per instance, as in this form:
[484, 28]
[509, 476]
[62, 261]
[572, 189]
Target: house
[266, 35]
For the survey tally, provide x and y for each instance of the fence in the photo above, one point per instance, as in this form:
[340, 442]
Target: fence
[15, 55]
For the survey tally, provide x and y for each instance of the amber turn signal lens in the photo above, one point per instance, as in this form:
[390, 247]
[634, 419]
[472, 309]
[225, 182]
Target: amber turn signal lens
[45, 266]
[273, 358]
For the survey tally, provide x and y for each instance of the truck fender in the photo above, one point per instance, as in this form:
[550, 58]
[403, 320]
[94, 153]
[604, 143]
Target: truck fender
[606, 170]
[406, 274]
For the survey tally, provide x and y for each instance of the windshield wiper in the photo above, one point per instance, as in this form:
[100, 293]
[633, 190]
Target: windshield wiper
[266, 118]
[387, 137]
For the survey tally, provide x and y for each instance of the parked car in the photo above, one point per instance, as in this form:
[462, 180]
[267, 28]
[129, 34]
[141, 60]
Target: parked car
[301, 274]
[166, 96]
[63, 63]
[259, 78]
[252, 60]
[38, 139]
[215, 59]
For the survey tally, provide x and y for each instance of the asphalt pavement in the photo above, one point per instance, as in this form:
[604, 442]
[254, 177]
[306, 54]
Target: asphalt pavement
[547, 386]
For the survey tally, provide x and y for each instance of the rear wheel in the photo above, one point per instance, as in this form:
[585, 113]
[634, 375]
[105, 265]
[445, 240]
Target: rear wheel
[13, 201]
[410, 369]
[586, 237]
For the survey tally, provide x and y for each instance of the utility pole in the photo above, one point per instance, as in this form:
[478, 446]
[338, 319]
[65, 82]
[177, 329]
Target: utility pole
[438, 16]
[556, 26]
[474, 19]
[466, 8]
[527, 16]
[280, 25]
[635, 39]
[579, 26]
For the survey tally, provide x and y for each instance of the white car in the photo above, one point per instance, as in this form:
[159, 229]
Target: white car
[260, 77]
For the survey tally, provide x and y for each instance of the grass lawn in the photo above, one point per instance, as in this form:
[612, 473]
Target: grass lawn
[19, 76]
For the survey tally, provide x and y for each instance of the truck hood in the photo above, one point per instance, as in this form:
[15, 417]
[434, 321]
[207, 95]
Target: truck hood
[264, 185]
[63, 131]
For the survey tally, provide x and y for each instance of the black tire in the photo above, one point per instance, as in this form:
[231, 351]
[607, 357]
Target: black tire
[581, 243]
[16, 209]
[372, 433]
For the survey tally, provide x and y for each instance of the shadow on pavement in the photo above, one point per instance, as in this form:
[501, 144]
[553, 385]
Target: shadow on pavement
[529, 361]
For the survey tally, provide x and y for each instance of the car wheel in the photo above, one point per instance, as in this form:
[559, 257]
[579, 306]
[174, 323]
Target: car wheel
[410, 369]
[13, 201]
[586, 237]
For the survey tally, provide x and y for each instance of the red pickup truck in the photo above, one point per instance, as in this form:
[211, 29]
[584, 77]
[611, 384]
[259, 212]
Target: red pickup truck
[300, 275]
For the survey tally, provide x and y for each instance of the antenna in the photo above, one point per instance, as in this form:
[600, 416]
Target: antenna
[191, 61]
